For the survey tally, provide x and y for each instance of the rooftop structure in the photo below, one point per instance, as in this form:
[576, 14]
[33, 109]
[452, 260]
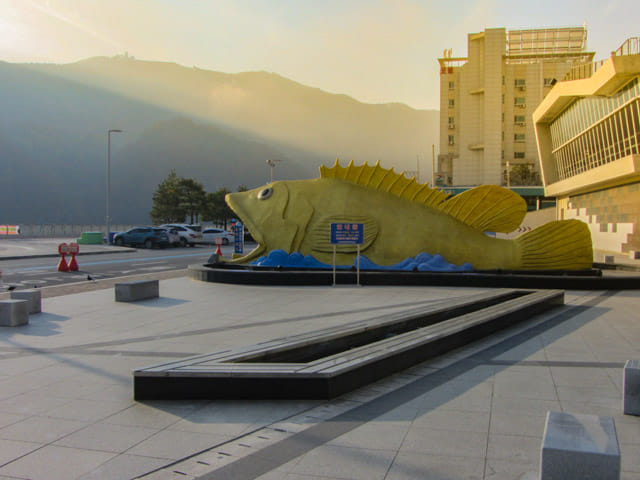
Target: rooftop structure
[486, 101]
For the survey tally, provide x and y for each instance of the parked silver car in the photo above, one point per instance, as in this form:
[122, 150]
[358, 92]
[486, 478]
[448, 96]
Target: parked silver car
[209, 235]
[189, 234]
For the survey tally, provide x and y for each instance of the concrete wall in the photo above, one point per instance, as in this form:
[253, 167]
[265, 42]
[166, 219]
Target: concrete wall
[50, 230]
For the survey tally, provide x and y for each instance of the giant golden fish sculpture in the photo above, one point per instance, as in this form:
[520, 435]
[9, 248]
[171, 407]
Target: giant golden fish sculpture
[403, 218]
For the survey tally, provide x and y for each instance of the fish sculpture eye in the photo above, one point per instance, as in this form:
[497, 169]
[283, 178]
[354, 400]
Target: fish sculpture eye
[265, 193]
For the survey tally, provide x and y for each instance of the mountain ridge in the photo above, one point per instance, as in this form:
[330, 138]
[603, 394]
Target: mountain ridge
[56, 118]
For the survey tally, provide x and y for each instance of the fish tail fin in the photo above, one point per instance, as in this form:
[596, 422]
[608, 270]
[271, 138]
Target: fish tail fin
[557, 245]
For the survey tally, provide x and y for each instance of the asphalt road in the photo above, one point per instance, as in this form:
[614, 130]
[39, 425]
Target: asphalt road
[43, 272]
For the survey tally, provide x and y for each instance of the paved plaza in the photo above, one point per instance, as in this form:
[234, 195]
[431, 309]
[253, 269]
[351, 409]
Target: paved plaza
[67, 410]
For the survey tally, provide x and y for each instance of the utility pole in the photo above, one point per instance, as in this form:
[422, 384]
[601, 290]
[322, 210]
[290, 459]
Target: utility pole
[433, 166]
[108, 218]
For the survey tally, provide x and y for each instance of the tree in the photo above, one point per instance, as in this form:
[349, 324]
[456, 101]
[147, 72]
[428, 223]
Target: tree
[216, 209]
[167, 201]
[192, 197]
[522, 174]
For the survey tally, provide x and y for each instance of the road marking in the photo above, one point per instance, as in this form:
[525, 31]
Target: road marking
[107, 262]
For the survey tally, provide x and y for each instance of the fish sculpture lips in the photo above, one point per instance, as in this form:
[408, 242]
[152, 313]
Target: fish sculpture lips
[237, 202]
[402, 219]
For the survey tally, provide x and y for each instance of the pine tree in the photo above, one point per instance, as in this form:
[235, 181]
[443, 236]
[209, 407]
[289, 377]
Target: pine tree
[167, 201]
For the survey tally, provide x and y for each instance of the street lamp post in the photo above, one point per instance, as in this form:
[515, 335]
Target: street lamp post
[108, 218]
[272, 165]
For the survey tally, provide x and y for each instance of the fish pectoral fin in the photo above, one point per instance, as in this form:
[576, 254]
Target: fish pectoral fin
[487, 208]
[321, 233]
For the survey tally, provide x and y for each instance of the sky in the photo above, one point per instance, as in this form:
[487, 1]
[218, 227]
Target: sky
[376, 51]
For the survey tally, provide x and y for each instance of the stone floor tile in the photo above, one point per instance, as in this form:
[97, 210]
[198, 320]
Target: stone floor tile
[411, 465]
[12, 449]
[175, 444]
[375, 435]
[142, 415]
[87, 410]
[526, 387]
[457, 420]
[506, 470]
[10, 418]
[630, 456]
[40, 429]
[524, 406]
[124, 467]
[518, 424]
[515, 449]
[30, 404]
[345, 463]
[56, 463]
[605, 395]
[107, 437]
[447, 442]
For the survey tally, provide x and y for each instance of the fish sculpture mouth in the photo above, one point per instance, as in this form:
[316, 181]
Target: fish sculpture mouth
[253, 230]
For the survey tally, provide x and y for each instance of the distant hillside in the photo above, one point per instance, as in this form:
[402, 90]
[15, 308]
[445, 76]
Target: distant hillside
[217, 128]
[270, 106]
[210, 154]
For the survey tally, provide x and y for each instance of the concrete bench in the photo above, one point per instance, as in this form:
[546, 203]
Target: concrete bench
[138, 290]
[13, 313]
[631, 388]
[575, 447]
[33, 297]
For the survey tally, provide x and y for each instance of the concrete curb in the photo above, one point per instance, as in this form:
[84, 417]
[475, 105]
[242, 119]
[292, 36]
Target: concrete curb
[55, 255]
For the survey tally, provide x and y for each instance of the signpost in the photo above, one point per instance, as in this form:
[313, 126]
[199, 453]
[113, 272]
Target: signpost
[238, 238]
[347, 234]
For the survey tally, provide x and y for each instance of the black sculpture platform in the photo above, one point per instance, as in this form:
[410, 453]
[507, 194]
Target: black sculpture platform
[553, 279]
[329, 362]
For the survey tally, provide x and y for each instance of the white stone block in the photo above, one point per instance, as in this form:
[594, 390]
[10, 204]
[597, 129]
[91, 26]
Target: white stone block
[137, 290]
[579, 447]
[631, 388]
[13, 313]
[33, 296]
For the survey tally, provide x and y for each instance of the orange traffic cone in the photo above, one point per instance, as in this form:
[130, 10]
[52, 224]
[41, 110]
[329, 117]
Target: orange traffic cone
[62, 265]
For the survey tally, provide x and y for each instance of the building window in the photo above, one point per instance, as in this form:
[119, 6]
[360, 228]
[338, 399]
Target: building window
[520, 102]
[520, 84]
[519, 120]
[518, 138]
[548, 82]
[452, 123]
[451, 142]
[518, 154]
[452, 85]
[452, 103]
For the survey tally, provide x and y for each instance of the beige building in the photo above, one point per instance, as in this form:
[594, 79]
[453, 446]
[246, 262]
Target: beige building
[588, 136]
[487, 98]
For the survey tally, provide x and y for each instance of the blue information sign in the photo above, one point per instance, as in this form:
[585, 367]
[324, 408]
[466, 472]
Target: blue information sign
[238, 238]
[347, 233]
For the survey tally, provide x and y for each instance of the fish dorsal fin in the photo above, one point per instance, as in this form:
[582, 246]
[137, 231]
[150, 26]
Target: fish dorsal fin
[385, 180]
[487, 208]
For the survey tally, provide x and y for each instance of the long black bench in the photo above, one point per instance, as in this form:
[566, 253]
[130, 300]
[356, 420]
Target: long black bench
[329, 362]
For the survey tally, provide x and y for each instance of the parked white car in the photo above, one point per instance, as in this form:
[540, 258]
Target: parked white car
[209, 235]
[189, 234]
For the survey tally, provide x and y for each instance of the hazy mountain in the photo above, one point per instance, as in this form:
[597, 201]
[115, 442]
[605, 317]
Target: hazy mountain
[217, 128]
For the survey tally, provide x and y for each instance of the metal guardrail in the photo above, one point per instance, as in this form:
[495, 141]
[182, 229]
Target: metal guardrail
[631, 46]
